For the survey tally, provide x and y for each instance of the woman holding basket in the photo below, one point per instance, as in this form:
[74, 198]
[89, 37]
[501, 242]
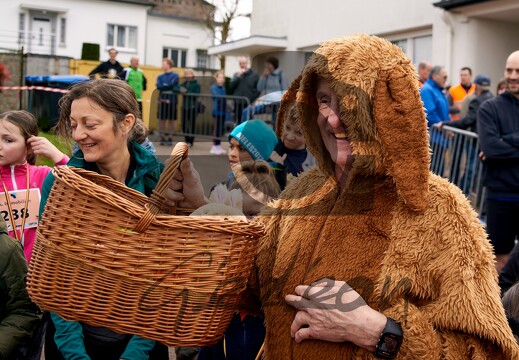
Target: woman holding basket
[100, 116]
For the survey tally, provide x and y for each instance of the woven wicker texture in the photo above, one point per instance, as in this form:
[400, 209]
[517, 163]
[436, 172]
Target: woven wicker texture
[108, 256]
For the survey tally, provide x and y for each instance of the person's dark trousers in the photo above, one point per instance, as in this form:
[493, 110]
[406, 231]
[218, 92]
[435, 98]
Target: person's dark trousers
[188, 124]
[140, 108]
[219, 122]
[502, 224]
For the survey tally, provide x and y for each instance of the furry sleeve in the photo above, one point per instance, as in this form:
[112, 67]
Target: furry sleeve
[450, 307]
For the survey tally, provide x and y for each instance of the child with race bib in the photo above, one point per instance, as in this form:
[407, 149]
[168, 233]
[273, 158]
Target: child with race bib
[21, 179]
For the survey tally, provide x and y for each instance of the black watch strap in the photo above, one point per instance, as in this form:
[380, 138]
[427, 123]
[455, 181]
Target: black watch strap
[390, 340]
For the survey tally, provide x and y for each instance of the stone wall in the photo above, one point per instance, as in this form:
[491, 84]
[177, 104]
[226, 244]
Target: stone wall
[9, 99]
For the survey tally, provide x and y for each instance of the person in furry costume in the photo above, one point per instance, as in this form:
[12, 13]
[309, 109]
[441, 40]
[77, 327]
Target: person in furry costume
[371, 233]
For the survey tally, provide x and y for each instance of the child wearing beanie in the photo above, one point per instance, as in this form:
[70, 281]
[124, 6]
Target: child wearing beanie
[254, 140]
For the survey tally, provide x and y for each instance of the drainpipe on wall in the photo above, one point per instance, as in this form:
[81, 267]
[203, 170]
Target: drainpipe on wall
[448, 20]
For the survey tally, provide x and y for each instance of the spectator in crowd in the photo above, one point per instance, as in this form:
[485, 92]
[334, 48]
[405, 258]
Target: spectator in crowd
[424, 69]
[244, 83]
[254, 140]
[499, 140]
[219, 112]
[272, 80]
[19, 317]
[511, 305]
[469, 123]
[100, 116]
[434, 100]
[135, 78]
[167, 113]
[376, 256]
[501, 87]
[509, 275]
[110, 68]
[482, 93]
[457, 93]
[190, 88]
[291, 150]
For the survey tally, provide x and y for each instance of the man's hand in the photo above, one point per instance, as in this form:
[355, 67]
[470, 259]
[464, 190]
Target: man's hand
[186, 187]
[332, 311]
[482, 156]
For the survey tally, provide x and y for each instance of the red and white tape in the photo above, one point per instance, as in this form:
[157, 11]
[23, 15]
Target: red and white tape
[42, 88]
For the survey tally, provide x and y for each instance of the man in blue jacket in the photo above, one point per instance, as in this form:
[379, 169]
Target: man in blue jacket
[498, 128]
[437, 111]
[433, 96]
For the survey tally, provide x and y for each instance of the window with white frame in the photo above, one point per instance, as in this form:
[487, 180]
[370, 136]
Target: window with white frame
[416, 47]
[21, 28]
[202, 59]
[422, 49]
[402, 43]
[177, 55]
[62, 31]
[122, 36]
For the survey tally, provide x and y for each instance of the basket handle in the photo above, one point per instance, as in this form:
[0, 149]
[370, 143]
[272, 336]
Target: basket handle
[158, 195]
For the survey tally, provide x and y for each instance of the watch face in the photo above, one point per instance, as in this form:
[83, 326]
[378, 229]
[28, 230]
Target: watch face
[389, 344]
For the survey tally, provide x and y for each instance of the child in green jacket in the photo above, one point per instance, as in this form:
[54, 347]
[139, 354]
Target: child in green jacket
[18, 314]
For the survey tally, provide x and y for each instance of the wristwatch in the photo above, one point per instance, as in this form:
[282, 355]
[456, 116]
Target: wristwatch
[390, 340]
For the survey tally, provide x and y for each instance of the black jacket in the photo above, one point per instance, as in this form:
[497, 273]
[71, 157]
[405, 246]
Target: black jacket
[469, 122]
[498, 127]
[104, 68]
[18, 315]
[245, 85]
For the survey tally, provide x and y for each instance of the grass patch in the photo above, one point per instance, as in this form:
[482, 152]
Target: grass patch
[59, 142]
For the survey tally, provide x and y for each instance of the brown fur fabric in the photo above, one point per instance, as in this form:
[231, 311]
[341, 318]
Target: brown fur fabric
[405, 239]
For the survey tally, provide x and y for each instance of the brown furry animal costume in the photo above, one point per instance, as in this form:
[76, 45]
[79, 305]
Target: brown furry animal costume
[408, 241]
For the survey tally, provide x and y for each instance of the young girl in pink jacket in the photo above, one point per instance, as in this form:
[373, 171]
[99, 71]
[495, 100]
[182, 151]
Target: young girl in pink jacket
[19, 146]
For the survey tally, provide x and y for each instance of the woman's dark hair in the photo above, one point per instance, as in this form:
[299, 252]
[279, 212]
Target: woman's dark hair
[27, 124]
[274, 61]
[510, 302]
[114, 96]
[140, 131]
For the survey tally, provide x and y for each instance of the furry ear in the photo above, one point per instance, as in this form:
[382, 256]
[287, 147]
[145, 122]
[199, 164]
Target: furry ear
[288, 99]
[402, 128]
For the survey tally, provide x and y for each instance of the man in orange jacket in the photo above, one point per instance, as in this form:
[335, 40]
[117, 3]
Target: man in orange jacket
[457, 93]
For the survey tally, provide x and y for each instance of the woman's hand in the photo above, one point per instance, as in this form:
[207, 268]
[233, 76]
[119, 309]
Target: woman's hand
[42, 146]
[186, 187]
[332, 311]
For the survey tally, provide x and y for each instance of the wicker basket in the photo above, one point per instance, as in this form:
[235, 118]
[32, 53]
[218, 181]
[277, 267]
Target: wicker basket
[104, 255]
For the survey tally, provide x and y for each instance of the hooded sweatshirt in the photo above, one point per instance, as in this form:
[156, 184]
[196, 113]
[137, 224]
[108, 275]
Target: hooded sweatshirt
[385, 233]
[15, 178]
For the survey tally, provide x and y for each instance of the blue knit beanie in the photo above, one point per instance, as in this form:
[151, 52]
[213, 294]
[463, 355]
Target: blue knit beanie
[256, 137]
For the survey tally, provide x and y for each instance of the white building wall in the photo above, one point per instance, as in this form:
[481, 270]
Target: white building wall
[491, 44]
[308, 24]
[86, 21]
[178, 34]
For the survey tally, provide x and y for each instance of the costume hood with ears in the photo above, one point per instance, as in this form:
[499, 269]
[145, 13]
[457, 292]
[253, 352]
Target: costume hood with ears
[380, 107]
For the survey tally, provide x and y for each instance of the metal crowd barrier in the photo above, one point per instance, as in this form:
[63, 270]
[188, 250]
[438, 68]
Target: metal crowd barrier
[455, 156]
[197, 115]
[265, 108]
